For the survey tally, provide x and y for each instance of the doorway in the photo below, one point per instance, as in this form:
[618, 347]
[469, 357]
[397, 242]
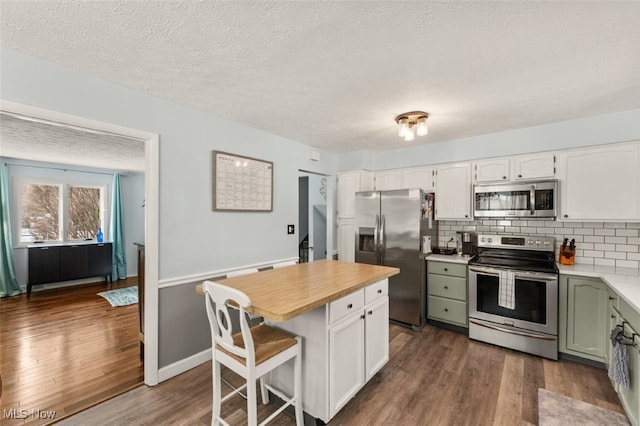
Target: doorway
[312, 216]
[151, 179]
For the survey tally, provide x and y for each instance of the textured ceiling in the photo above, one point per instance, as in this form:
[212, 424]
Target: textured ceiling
[40, 141]
[335, 74]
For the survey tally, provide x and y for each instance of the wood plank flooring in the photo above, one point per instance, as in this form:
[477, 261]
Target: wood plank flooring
[64, 350]
[434, 377]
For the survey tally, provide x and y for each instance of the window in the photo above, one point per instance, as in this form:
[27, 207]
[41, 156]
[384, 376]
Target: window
[40, 219]
[60, 212]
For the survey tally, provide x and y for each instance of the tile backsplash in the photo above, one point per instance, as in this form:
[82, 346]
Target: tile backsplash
[597, 243]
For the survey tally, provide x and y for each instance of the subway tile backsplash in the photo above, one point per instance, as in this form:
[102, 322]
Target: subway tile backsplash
[597, 243]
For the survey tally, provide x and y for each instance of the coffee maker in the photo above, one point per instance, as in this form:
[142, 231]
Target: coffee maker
[469, 243]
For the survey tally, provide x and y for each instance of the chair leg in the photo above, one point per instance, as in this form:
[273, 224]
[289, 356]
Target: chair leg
[252, 406]
[297, 384]
[264, 392]
[217, 393]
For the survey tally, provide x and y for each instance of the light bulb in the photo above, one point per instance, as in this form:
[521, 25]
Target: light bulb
[421, 126]
[404, 126]
[409, 135]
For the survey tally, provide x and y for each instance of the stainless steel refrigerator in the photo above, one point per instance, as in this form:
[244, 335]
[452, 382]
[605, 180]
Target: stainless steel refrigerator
[395, 228]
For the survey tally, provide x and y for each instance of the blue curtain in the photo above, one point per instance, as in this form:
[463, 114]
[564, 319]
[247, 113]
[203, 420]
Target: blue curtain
[8, 284]
[116, 232]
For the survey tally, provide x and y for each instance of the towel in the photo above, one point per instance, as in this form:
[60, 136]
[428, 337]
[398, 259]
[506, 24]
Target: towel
[507, 290]
[619, 363]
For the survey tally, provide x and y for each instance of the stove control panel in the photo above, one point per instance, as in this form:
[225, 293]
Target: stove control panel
[522, 242]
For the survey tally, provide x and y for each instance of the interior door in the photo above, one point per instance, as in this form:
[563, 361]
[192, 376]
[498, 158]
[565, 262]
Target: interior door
[400, 225]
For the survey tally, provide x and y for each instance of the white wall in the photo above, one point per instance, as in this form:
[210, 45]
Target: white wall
[132, 186]
[193, 238]
[609, 128]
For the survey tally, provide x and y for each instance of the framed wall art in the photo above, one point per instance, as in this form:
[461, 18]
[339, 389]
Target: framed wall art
[242, 183]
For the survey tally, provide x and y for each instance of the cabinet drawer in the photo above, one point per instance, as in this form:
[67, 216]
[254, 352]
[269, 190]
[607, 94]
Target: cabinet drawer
[444, 286]
[376, 291]
[346, 305]
[447, 310]
[446, 268]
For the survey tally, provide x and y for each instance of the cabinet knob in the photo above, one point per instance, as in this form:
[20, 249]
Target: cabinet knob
[370, 312]
[611, 298]
[566, 215]
[362, 316]
[350, 305]
[504, 177]
[520, 176]
[446, 287]
[446, 310]
[445, 269]
[379, 291]
[466, 215]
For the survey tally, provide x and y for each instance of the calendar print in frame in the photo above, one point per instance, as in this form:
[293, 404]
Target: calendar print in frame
[242, 184]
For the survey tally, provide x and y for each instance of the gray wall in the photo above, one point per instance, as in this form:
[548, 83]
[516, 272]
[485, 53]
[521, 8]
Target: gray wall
[132, 187]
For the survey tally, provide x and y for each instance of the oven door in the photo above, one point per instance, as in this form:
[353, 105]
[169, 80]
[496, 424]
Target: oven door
[536, 299]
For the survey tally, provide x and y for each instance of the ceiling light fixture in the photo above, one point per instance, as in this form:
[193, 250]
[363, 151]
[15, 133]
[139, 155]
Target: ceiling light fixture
[411, 124]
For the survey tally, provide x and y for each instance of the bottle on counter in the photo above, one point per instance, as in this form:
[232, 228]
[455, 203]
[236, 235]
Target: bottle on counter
[99, 235]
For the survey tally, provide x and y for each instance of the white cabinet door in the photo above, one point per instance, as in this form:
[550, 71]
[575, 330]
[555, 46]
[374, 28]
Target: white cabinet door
[346, 240]
[491, 170]
[418, 177]
[534, 166]
[376, 337]
[348, 183]
[600, 183]
[346, 361]
[453, 191]
[388, 179]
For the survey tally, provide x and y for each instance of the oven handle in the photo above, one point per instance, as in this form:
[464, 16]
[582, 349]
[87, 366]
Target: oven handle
[519, 274]
[512, 331]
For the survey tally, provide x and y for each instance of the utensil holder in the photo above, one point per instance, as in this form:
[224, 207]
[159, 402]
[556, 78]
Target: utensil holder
[567, 256]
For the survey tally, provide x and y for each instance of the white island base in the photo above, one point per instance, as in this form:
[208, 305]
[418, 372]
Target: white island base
[344, 343]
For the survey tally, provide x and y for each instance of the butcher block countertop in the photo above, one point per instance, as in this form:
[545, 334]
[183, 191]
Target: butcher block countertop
[284, 293]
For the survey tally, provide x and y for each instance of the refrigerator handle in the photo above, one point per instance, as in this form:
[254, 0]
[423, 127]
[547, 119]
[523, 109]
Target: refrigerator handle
[382, 240]
[376, 239]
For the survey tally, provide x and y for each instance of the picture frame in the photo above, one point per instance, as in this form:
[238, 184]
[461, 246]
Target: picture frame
[242, 184]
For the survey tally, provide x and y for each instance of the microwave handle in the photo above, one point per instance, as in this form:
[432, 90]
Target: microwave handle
[532, 200]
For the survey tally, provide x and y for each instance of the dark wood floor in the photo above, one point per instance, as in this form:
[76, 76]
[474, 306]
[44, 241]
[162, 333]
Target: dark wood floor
[65, 350]
[434, 377]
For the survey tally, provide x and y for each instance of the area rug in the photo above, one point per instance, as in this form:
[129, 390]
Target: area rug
[121, 296]
[559, 410]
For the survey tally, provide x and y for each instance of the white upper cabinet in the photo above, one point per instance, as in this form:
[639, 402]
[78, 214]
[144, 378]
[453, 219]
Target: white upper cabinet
[453, 191]
[348, 184]
[491, 170]
[418, 177]
[600, 183]
[533, 166]
[388, 179]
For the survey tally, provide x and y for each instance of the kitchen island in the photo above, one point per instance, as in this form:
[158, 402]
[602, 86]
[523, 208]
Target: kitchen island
[341, 310]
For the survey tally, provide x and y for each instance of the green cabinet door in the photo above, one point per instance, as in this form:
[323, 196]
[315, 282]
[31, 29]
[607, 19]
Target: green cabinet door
[583, 325]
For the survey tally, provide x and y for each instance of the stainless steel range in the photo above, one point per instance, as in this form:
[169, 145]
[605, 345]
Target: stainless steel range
[513, 294]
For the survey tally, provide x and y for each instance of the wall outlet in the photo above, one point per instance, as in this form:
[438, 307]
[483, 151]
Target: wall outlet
[291, 229]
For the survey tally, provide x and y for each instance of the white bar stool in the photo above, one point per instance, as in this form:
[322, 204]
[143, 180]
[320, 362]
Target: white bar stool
[252, 353]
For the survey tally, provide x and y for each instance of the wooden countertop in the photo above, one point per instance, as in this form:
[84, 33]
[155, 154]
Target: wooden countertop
[281, 294]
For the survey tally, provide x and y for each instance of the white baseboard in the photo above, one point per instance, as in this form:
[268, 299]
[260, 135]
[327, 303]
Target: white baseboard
[183, 365]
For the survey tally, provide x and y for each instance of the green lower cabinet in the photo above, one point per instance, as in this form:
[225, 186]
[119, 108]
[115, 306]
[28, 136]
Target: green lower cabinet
[583, 317]
[447, 293]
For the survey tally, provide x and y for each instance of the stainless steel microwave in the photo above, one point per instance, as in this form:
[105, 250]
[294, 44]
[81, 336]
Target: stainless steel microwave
[531, 199]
